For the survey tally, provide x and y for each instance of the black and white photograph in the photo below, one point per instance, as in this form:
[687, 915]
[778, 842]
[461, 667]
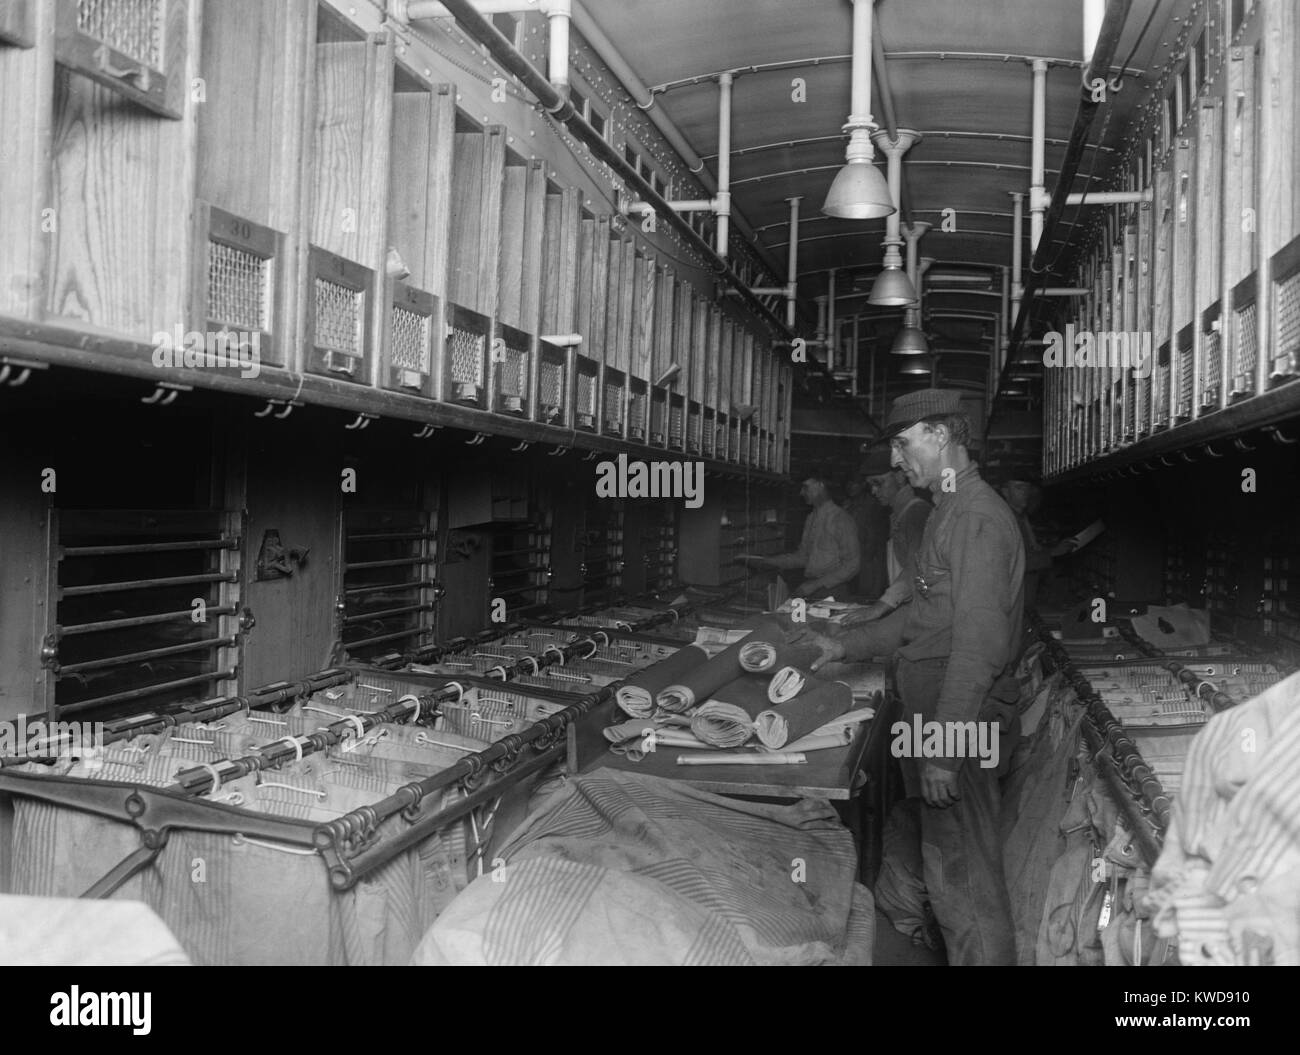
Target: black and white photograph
[650, 483]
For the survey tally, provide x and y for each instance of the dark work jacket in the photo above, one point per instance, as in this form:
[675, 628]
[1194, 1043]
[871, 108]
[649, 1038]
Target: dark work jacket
[967, 604]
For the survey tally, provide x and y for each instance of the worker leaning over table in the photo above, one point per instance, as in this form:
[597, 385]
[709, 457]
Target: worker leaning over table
[955, 645]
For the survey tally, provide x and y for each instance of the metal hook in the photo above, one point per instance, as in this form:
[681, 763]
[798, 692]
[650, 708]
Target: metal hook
[1133, 470]
[4, 372]
[362, 422]
[288, 409]
[21, 379]
[164, 394]
[1166, 461]
[557, 451]
[1210, 451]
[1279, 436]
[522, 445]
[591, 456]
[425, 432]
[1188, 457]
[265, 410]
[476, 439]
[1241, 444]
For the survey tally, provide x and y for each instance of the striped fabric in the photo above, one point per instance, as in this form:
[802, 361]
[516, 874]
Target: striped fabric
[1228, 881]
[622, 868]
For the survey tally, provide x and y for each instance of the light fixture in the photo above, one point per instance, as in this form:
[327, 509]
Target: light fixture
[917, 366]
[859, 191]
[893, 288]
[910, 339]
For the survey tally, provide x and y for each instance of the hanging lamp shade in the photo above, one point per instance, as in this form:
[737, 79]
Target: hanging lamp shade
[910, 339]
[892, 289]
[916, 366]
[860, 192]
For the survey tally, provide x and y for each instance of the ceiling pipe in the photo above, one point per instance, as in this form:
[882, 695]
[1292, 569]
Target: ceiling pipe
[859, 192]
[792, 266]
[1112, 27]
[892, 287]
[1038, 199]
[911, 340]
[723, 195]
[1017, 252]
[831, 282]
[1109, 197]
[557, 104]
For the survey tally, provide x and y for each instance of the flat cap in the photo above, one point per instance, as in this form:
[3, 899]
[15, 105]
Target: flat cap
[912, 407]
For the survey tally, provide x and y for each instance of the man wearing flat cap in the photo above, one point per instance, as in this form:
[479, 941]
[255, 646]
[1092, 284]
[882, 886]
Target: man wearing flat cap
[955, 644]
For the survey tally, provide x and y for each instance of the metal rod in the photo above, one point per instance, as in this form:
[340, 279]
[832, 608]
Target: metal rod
[396, 536]
[386, 613]
[401, 587]
[413, 632]
[185, 615]
[136, 694]
[370, 565]
[1037, 193]
[792, 263]
[153, 653]
[143, 584]
[145, 547]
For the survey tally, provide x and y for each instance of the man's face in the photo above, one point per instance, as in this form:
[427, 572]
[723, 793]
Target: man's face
[918, 452]
[811, 491]
[885, 487]
[1017, 495]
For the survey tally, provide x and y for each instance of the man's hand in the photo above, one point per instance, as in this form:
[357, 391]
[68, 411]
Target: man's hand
[804, 589]
[831, 650]
[754, 561]
[1062, 548]
[869, 614]
[938, 785]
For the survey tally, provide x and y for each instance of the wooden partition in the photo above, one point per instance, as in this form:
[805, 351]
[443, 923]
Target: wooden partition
[351, 112]
[558, 297]
[111, 187]
[419, 218]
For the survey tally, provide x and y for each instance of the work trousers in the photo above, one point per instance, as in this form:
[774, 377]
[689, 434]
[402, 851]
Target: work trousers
[961, 847]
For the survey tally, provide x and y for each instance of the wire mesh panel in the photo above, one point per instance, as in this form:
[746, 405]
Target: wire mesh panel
[239, 287]
[1211, 358]
[235, 287]
[658, 416]
[1244, 348]
[708, 433]
[465, 354]
[676, 424]
[1186, 365]
[512, 363]
[338, 316]
[1160, 388]
[552, 381]
[615, 392]
[1286, 312]
[693, 429]
[412, 317]
[720, 436]
[585, 403]
[733, 441]
[134, 47]
[637, 408]
[133, 27]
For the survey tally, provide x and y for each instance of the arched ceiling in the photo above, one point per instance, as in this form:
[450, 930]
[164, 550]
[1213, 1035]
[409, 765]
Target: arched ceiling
[957, 71]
